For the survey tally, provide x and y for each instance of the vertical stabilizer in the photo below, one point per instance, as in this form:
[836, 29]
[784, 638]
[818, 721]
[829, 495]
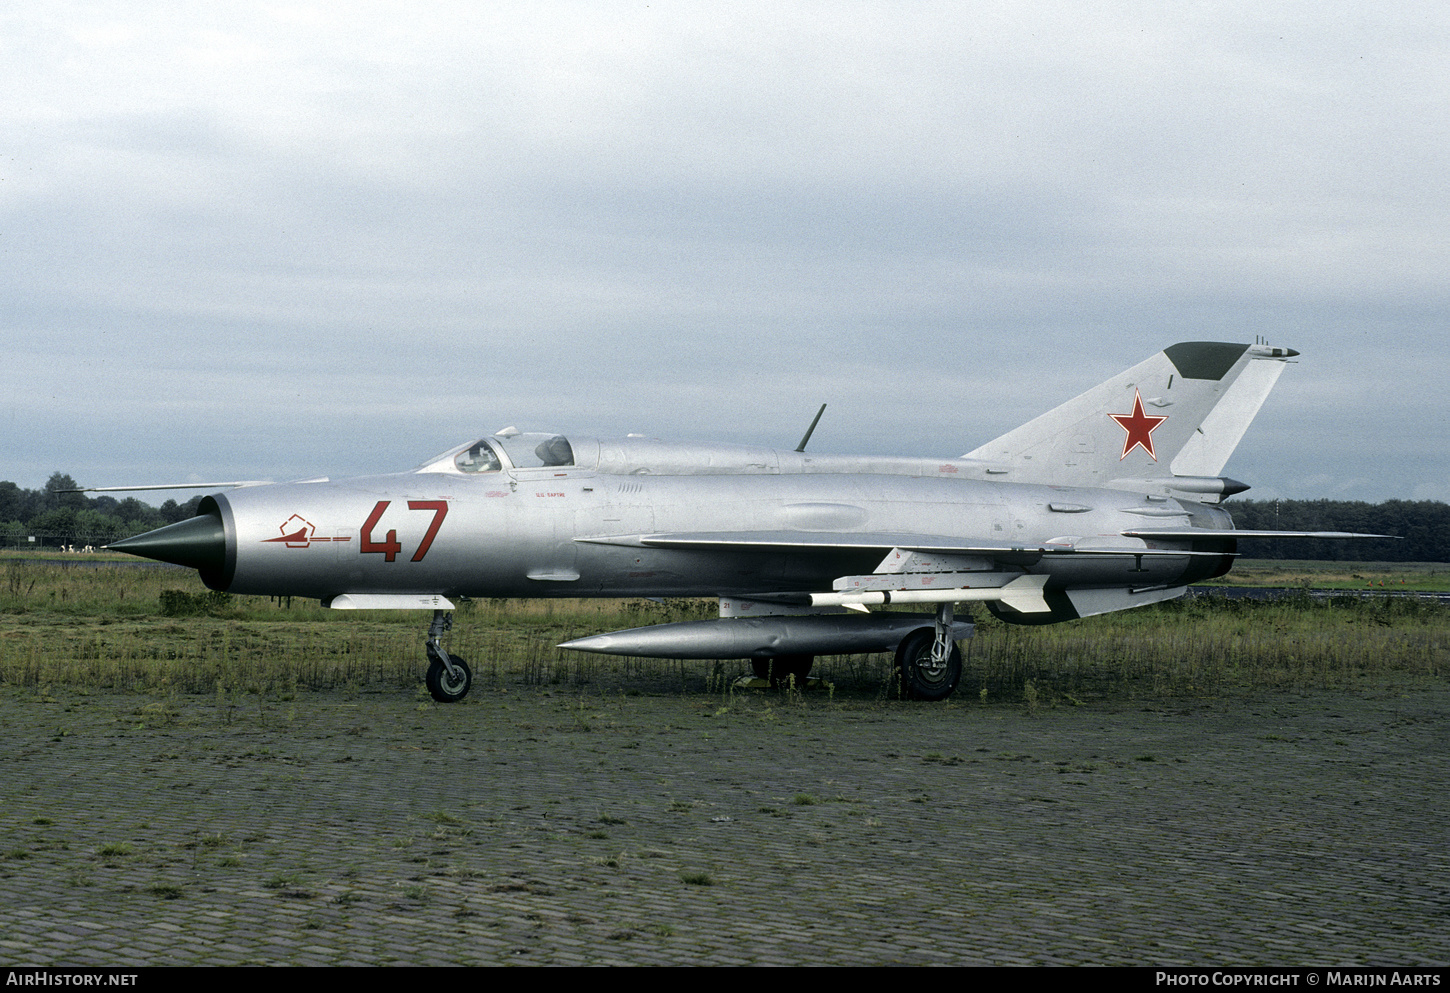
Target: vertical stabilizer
[1180, 413]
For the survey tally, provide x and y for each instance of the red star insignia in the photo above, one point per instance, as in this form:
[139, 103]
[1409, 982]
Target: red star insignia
[1140, 427]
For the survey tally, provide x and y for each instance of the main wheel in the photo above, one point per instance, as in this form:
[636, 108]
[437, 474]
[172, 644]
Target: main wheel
[922, 678]
[448, 688]
[781, 669]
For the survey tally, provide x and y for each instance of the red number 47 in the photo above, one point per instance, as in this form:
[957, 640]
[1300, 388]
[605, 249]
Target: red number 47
[390, 547]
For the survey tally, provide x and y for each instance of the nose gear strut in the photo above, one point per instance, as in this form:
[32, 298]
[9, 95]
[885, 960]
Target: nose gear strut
[449, 677]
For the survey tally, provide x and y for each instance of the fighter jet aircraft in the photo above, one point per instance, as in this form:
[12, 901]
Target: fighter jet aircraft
[1107, 502]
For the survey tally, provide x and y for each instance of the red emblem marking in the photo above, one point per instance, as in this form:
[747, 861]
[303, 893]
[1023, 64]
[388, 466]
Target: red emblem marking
[297, 532]
[1140, 428]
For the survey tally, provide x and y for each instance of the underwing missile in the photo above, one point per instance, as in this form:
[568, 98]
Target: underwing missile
[1023, 594]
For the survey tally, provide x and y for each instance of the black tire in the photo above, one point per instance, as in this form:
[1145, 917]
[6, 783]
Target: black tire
[446, 688]
[780, 670]
[920, 679]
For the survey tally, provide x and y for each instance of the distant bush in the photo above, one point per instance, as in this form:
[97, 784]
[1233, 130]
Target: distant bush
[179, 603]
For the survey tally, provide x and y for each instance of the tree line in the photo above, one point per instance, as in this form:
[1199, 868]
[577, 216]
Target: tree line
[59, 518]
[1422, 525]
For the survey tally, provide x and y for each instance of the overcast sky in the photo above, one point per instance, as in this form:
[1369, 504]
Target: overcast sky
[277, 240]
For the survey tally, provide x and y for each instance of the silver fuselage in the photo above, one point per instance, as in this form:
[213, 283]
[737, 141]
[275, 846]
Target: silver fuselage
[535, 532]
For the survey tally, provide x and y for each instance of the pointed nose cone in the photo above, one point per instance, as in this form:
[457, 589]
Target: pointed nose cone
[199, 543]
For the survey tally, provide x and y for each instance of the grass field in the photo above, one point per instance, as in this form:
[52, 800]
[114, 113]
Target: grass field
[1408, 576]
[69, 626]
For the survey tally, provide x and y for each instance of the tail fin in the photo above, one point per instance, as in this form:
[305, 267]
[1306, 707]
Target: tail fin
[1179, 414]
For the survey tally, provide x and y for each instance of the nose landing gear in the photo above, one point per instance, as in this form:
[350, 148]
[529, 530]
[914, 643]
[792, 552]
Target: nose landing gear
[449, 677]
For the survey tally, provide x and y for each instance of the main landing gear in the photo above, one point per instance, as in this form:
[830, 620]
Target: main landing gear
[449, 677]
[930, 663]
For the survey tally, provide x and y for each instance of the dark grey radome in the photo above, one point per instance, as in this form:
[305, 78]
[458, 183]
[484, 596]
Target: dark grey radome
[199, 543]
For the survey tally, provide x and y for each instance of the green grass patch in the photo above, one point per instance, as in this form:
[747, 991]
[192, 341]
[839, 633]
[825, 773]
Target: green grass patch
[65, 631]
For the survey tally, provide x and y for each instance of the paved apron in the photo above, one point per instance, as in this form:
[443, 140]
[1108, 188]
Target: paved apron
[567, 828]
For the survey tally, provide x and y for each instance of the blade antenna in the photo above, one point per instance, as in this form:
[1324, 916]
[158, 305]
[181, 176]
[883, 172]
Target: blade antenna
[802, 446]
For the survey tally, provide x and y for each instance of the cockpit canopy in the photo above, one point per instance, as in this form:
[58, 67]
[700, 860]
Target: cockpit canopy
[523, 450]
[478, 457]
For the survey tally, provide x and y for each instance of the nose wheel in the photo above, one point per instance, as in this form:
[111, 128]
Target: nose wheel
[449, 682]
[449, 677]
